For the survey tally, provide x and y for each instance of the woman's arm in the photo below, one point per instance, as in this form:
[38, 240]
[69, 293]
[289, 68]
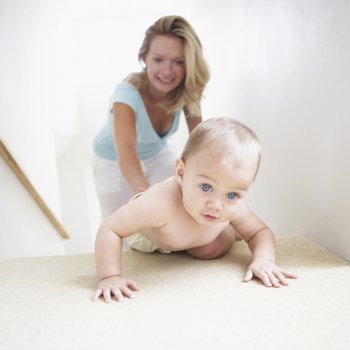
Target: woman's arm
[125, 141]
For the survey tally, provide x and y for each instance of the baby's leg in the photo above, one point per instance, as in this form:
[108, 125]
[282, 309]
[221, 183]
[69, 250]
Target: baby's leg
[220, 246]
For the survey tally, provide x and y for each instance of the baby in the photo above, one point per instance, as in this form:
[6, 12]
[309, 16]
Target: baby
[202, 210]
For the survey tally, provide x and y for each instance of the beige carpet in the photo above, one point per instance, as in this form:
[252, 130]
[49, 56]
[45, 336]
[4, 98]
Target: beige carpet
[183, 303]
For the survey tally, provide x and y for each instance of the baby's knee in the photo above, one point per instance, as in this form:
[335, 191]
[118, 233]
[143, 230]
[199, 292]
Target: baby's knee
[203, 253]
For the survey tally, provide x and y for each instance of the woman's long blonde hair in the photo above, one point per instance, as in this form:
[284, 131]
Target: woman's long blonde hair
[189, 92]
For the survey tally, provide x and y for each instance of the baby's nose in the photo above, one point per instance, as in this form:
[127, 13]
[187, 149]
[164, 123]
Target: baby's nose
[215, 204]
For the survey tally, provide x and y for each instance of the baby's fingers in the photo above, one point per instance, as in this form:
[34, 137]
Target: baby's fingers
[107, 294]
[274, 279]
[127, 292]
[264, 278]
[97, 294]
[289, 275]
[280, 278]
[118, 294]
[129, 289]
[132, 285]
[248, 276]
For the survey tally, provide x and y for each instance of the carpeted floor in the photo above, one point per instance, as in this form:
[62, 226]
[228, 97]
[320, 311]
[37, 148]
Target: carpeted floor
[183, 303]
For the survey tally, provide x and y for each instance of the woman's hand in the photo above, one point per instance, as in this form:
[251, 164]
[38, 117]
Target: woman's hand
[140, 189]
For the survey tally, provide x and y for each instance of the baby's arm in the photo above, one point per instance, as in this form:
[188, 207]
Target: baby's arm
[143, 212]
[263, 266]
[262, 244]
[108, 250]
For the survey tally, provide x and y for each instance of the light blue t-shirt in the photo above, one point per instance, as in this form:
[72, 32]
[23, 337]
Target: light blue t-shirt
[149, 142]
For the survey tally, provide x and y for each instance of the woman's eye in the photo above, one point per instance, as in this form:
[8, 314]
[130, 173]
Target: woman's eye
[232, 195]
[156, 59]
[205, 187]
[179, 63]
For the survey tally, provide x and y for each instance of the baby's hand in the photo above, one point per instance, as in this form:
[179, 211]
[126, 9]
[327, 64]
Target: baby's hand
[268, 272]
[117, 286]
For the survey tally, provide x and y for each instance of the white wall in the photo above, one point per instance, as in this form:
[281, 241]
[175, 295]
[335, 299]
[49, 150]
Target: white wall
[283, 67]
[280, 66]
[25, 230]
[36, 101]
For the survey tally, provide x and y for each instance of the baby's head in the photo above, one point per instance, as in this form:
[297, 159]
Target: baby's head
[228, 141]
[217, 167]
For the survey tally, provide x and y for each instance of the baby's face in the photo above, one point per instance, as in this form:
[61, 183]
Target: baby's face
[213, 189]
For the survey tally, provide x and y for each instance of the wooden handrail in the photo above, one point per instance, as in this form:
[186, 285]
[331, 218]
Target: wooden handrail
[11, 162]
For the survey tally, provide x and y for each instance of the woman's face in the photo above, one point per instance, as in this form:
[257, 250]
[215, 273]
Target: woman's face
[165, 62]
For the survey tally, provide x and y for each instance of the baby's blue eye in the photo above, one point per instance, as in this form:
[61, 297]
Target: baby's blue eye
[232, 195]
[205, 187]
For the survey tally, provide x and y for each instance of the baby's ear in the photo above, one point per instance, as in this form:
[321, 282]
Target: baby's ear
[179, 170]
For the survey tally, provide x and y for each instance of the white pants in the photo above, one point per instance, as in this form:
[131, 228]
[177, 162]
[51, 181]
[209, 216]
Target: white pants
[112, 189]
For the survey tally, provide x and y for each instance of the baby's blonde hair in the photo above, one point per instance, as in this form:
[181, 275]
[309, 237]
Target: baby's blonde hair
[189, 92]
[226, 138]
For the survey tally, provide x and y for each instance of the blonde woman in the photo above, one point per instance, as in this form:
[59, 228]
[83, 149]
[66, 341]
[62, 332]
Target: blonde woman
[131, 150]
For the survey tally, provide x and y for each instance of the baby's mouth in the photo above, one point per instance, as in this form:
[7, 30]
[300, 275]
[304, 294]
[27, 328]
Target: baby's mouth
[210, 217]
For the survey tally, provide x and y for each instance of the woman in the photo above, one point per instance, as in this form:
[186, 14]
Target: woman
[131, 150]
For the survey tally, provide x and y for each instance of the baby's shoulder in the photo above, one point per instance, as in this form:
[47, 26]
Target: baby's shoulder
[165, 193]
